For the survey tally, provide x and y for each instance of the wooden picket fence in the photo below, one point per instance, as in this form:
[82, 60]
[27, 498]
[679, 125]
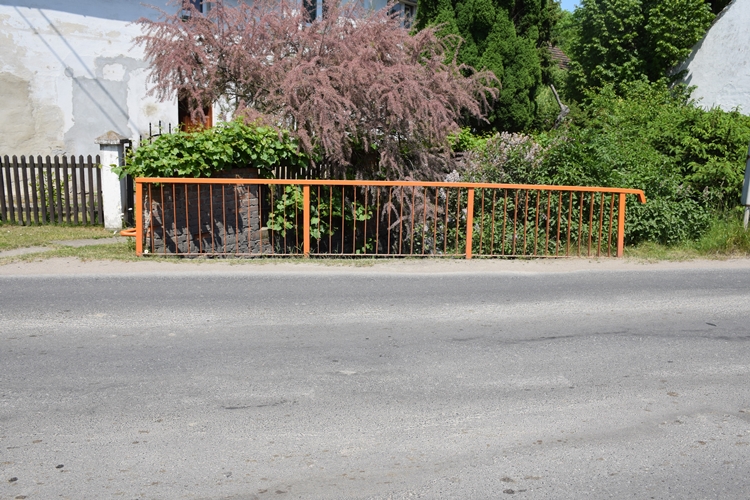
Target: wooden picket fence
[51, 190]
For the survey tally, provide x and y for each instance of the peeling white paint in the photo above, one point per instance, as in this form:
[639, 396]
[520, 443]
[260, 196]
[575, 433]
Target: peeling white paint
[114, 72]
[76, 73]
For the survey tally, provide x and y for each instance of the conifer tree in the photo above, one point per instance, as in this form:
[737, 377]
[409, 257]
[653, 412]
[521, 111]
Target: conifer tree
[507, 37]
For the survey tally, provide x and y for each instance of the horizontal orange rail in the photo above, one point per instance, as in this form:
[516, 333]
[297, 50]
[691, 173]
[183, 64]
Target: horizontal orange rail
[251, 217]
[324, 182]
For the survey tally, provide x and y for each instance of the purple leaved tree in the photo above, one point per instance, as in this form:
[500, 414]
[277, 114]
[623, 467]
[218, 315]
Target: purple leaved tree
[356, 89]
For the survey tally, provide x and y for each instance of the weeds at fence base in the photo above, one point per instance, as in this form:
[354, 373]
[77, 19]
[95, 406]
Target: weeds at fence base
[726, 238]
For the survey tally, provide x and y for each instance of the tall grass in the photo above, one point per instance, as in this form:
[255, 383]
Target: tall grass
[725, 238]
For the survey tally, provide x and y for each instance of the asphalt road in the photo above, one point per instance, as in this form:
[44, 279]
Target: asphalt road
[348, 385]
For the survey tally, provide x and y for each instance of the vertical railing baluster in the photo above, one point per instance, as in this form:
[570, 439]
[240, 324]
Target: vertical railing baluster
[413, 217]
[601, 223]
[188, 236]
[580, 222]
[163, 221]
[469, 221]
[505, 220]
[481, 225]
[492, 239]
[138, 219]
[536, 222]
[306, 220]
[435, 222]
[611, 222]
[377, 220]
[621, 226]
[317, 201]
[200, 223]
[592, 201]
[559, 223]
[330, 219]
[354, 220]
[546, 232]
[175, 238]
[401, 221]
[151, 219]
[515, 223]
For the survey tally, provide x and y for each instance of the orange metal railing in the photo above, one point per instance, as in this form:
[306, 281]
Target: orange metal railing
[260, 217]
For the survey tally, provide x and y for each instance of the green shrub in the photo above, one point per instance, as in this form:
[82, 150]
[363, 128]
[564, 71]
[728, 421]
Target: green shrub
[706, 147]
[225, 146]
[689, 161]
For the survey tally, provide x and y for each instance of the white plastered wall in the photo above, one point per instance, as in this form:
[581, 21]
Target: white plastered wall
[719, 66]
[69, 73]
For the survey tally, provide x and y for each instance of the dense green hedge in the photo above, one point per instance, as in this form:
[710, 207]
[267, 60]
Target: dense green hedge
[689, 161]
[225, 146]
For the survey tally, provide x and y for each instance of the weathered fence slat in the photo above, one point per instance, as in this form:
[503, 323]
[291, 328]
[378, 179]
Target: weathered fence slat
[9, 183]
[74, 181]
[58, 191]
[34, 195]
[3, 208]
[26, 200]
[42, 195]
[52, 190]
[17, 183]
[82, 180]
[66, 178]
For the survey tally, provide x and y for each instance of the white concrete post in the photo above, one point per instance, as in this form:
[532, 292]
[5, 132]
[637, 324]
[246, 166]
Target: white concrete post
[111, 154]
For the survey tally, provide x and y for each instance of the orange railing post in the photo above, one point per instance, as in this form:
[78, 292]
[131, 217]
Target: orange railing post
[138, 218]
[306, 219]
[469, 222]
[621, 226]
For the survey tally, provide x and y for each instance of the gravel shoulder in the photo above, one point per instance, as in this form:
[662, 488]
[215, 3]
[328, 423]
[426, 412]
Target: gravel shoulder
[74, 266]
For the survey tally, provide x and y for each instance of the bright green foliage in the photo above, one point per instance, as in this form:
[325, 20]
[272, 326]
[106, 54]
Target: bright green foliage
[564, 31]
[621, 41]
[465, 140]
[287, 205]
[329, 213]
[201, 153]
[689, 161]
[706, 148]
[507, 37]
